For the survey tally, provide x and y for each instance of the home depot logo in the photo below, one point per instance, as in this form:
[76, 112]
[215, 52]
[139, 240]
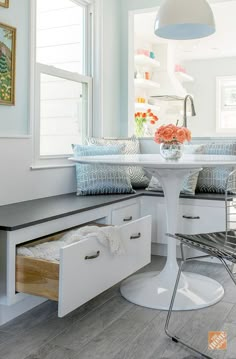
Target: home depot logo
[217, 340]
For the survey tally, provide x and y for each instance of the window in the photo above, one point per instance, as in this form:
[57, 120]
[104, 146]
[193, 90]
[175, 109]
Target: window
[63, 87]
[226, 104]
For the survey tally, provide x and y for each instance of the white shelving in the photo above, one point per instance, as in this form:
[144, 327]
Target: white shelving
[183, 77]
[145, 61]
[146, 84]
[146, 106]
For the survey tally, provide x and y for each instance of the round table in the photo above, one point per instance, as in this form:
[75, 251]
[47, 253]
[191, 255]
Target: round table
[154, 289]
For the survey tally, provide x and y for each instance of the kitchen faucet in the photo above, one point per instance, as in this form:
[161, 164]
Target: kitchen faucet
[193, 112]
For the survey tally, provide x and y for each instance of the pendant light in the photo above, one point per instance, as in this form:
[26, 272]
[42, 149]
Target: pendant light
[184, 20]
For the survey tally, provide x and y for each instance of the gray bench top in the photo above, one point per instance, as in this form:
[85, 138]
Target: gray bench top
[25, 214]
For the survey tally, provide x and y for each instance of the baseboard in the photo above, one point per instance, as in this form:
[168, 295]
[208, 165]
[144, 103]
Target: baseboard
[10, 312]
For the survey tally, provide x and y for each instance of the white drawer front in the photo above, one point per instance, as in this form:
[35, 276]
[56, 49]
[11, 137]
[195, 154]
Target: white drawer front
[125, 214]
[197, 219]
[80, 280]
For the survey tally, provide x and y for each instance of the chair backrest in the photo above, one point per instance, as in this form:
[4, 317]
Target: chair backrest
[230, 208]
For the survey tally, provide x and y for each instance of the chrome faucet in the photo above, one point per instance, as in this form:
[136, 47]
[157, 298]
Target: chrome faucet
[193, 112]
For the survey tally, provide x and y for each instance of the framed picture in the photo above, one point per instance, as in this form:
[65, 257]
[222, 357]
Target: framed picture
[4, 3]
[7, 64]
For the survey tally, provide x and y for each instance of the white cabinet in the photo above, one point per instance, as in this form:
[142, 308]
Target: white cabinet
[125, 214]
[195, 219]
[195, 216]
[86, 268]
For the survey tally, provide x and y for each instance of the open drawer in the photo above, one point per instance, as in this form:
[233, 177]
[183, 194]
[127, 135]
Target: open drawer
[86, 268]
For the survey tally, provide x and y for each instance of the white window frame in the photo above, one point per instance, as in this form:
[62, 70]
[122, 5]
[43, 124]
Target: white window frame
[37, 69]
[219, 81]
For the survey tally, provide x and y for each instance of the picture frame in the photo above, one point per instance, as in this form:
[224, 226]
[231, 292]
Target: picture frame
[7, 64]
[4, 3]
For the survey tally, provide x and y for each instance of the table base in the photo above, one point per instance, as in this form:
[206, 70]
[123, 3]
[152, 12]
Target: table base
[154, 290]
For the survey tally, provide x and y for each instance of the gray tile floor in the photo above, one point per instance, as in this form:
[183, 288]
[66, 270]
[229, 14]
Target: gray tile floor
[109, 327]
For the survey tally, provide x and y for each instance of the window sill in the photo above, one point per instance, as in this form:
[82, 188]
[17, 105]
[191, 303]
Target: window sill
[49, 167]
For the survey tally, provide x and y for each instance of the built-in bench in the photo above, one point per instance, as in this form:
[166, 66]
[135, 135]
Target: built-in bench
[24, 214]
[33, 220]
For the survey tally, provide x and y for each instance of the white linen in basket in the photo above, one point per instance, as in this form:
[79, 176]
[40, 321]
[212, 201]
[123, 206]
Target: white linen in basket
[108, 236]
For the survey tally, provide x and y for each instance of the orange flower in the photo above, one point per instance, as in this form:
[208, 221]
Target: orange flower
[168, 134]
[152, 122]
[181, 135]
[188, 134]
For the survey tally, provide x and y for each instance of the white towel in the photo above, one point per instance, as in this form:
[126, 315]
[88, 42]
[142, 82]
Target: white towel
[108, 236]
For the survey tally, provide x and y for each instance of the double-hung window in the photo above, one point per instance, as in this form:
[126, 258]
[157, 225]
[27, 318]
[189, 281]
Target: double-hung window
[226, 104]
[62, 82]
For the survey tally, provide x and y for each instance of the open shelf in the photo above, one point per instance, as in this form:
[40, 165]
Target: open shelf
[183, 77]
[146, 106]
[142, 60]
[146, 84]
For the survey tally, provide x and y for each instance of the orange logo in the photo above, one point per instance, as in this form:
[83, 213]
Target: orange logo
[217, 340]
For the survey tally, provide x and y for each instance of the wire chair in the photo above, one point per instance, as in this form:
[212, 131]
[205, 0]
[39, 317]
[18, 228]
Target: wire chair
[221, 245]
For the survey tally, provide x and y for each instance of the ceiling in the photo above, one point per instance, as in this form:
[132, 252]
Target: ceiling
[221, 44]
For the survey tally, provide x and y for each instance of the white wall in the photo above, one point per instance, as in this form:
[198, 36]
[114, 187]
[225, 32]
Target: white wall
[204, 91]
[17, 181]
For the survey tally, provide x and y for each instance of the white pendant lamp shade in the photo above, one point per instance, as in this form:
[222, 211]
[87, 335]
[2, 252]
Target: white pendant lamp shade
[184, 20]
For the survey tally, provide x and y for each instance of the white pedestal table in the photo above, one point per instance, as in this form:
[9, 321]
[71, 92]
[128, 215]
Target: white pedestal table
[154, 289]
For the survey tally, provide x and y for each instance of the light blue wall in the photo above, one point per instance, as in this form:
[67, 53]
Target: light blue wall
[14, 119]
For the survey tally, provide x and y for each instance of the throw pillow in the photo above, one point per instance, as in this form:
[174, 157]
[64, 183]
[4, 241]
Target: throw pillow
[190, 181]
[131, 147]
[93, 179]
[213, 179]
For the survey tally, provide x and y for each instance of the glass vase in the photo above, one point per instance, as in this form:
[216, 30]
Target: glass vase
[139, 129]
[171, 150]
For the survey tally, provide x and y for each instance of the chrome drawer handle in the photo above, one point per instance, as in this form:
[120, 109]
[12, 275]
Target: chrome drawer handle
[191, 217]
[93, 257]
[136, 236]
[128, 219]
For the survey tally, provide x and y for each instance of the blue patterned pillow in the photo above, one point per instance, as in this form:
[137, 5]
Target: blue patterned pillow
[95, 179]
[131, 146]
[213, 180]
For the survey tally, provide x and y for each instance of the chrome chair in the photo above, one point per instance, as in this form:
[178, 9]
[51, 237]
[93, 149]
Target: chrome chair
[221, 245]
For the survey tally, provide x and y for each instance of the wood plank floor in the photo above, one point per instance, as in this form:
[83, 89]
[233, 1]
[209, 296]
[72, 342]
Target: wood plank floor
[109, 327]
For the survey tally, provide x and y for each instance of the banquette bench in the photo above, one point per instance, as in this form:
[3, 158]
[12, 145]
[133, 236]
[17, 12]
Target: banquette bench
[75, 279]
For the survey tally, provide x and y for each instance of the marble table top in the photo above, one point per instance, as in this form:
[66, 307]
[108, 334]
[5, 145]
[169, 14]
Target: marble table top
[156, 161]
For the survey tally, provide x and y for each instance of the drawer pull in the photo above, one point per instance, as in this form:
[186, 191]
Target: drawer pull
[128, 219]
[93, 257]
[136, 236]
[191, 217]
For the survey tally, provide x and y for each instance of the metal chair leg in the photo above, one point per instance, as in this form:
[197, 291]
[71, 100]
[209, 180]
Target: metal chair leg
[168, 333]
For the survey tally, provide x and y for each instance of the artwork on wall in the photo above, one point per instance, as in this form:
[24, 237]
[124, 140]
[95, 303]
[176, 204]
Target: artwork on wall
[4, 3]
[7, 64]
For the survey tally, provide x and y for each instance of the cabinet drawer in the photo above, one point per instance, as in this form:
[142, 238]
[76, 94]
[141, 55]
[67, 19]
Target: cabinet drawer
[86, 268]
[125, 214]
[197, 219]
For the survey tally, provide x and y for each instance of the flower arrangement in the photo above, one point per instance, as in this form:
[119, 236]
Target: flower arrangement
[172, 134]
[142, 119]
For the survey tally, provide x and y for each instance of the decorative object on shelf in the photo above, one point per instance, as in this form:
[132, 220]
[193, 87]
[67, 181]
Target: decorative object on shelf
[4, 3]
[7, 64]
[184, 20]
[171, 139]
[142, 120]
